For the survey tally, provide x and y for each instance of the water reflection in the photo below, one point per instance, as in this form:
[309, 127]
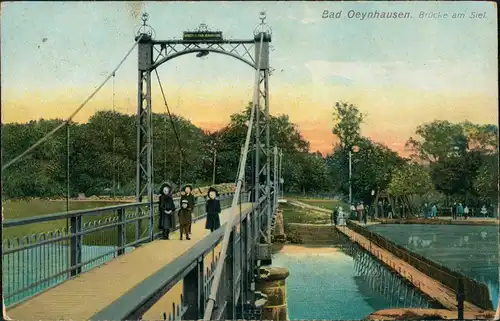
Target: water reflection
[472, 250]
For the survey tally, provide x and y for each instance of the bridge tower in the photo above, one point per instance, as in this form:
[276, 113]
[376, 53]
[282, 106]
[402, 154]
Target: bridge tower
[263, 151]
[151, 54]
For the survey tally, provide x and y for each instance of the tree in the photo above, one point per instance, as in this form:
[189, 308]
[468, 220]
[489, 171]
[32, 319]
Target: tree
[438, 140]
[486, 182]
[411, 180]
[347, 119]
[372, 168]
[284, 134]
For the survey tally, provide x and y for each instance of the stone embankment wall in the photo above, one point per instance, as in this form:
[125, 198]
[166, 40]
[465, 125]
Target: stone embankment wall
[475, 291]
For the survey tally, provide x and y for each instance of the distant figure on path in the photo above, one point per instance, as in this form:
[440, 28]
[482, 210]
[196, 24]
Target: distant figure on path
[191, 201]
[426, 211]
[167, 209]
[335, 213]
[460, 210]
[360, 209]
[434, 211]
[484, 211]
[213, 210]
[185, 219]
[352, 212]
[466, 212]
[454, 211]
[341, 220]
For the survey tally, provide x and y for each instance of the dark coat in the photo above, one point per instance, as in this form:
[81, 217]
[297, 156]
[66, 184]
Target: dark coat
[212, 207]
[166, 204]
[166, 220]
[190, 199]
[185, 216]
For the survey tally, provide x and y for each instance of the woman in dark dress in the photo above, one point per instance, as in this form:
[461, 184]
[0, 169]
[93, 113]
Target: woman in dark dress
[213, 210]
[166, 211]
[190, 201]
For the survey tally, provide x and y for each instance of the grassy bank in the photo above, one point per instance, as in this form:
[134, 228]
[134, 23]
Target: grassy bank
[293, 214]
[324, 203]
[22, 209]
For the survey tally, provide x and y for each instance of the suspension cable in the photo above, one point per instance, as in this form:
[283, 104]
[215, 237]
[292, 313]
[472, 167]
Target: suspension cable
[52, 132]
[113, 163]
[67, 176]
[183, 157]
[170, 115]
[229, 225]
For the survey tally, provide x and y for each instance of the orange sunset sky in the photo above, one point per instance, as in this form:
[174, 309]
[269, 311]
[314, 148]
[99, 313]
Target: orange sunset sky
[400, 72]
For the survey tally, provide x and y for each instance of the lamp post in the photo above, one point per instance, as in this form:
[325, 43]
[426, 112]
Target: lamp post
[353, 149]
[458, 150]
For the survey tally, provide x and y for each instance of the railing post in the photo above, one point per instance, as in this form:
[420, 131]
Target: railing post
[460, 298]
[230, 276]
[193, 291]
[244, 259]
[138, 225]
[122, 237]
[76, 245]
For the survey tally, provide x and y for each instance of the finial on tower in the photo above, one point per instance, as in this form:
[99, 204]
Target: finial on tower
[263, 27]
[144, 30]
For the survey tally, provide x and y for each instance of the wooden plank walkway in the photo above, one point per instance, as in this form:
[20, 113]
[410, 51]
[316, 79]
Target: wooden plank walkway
[82, 297]
[434, 289]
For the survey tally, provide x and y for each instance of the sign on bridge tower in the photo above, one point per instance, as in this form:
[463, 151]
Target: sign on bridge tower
[153, 53]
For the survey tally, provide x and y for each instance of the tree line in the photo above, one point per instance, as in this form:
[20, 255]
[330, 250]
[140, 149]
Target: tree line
[448, 162]
[102, 155]
[451, 161]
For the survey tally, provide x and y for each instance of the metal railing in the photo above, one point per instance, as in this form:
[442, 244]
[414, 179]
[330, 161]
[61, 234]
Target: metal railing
[465, 287]
[197, 277]
[85, 239]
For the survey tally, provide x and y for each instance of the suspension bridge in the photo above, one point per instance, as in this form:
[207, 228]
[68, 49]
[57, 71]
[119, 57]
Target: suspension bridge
[70, 274]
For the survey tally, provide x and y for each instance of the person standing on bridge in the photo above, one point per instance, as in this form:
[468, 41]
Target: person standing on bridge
[212, 207]
[167, 209]
[191, 201]
[185, 219]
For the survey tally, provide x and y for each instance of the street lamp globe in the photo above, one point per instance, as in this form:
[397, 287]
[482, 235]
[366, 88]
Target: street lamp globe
[355, 149]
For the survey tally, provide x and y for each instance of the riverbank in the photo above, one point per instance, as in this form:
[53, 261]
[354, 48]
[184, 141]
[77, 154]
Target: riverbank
[444, 220]
[426, 314]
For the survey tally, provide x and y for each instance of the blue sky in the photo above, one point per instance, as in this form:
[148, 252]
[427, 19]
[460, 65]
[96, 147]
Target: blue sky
[317, 61]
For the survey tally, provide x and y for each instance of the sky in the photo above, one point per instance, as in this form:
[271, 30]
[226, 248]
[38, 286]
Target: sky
[400, 72]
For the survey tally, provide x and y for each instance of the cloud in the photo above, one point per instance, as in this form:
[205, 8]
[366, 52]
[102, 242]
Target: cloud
[433, 75]
[306, 21]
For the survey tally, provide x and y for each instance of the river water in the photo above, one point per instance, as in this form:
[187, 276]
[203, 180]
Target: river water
[472, 250]
[324, 285]
[31, 271]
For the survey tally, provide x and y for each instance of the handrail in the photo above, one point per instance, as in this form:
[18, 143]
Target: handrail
[88, 244]
[133, 304]
[69, 214]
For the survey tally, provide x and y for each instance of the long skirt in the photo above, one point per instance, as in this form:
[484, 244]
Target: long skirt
[213, 221]
[167, 222]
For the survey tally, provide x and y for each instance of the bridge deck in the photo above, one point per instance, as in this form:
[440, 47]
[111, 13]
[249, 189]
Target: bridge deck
[434, 289]
[82, 297]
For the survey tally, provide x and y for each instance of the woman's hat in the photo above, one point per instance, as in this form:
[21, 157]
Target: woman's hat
[211, 189]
